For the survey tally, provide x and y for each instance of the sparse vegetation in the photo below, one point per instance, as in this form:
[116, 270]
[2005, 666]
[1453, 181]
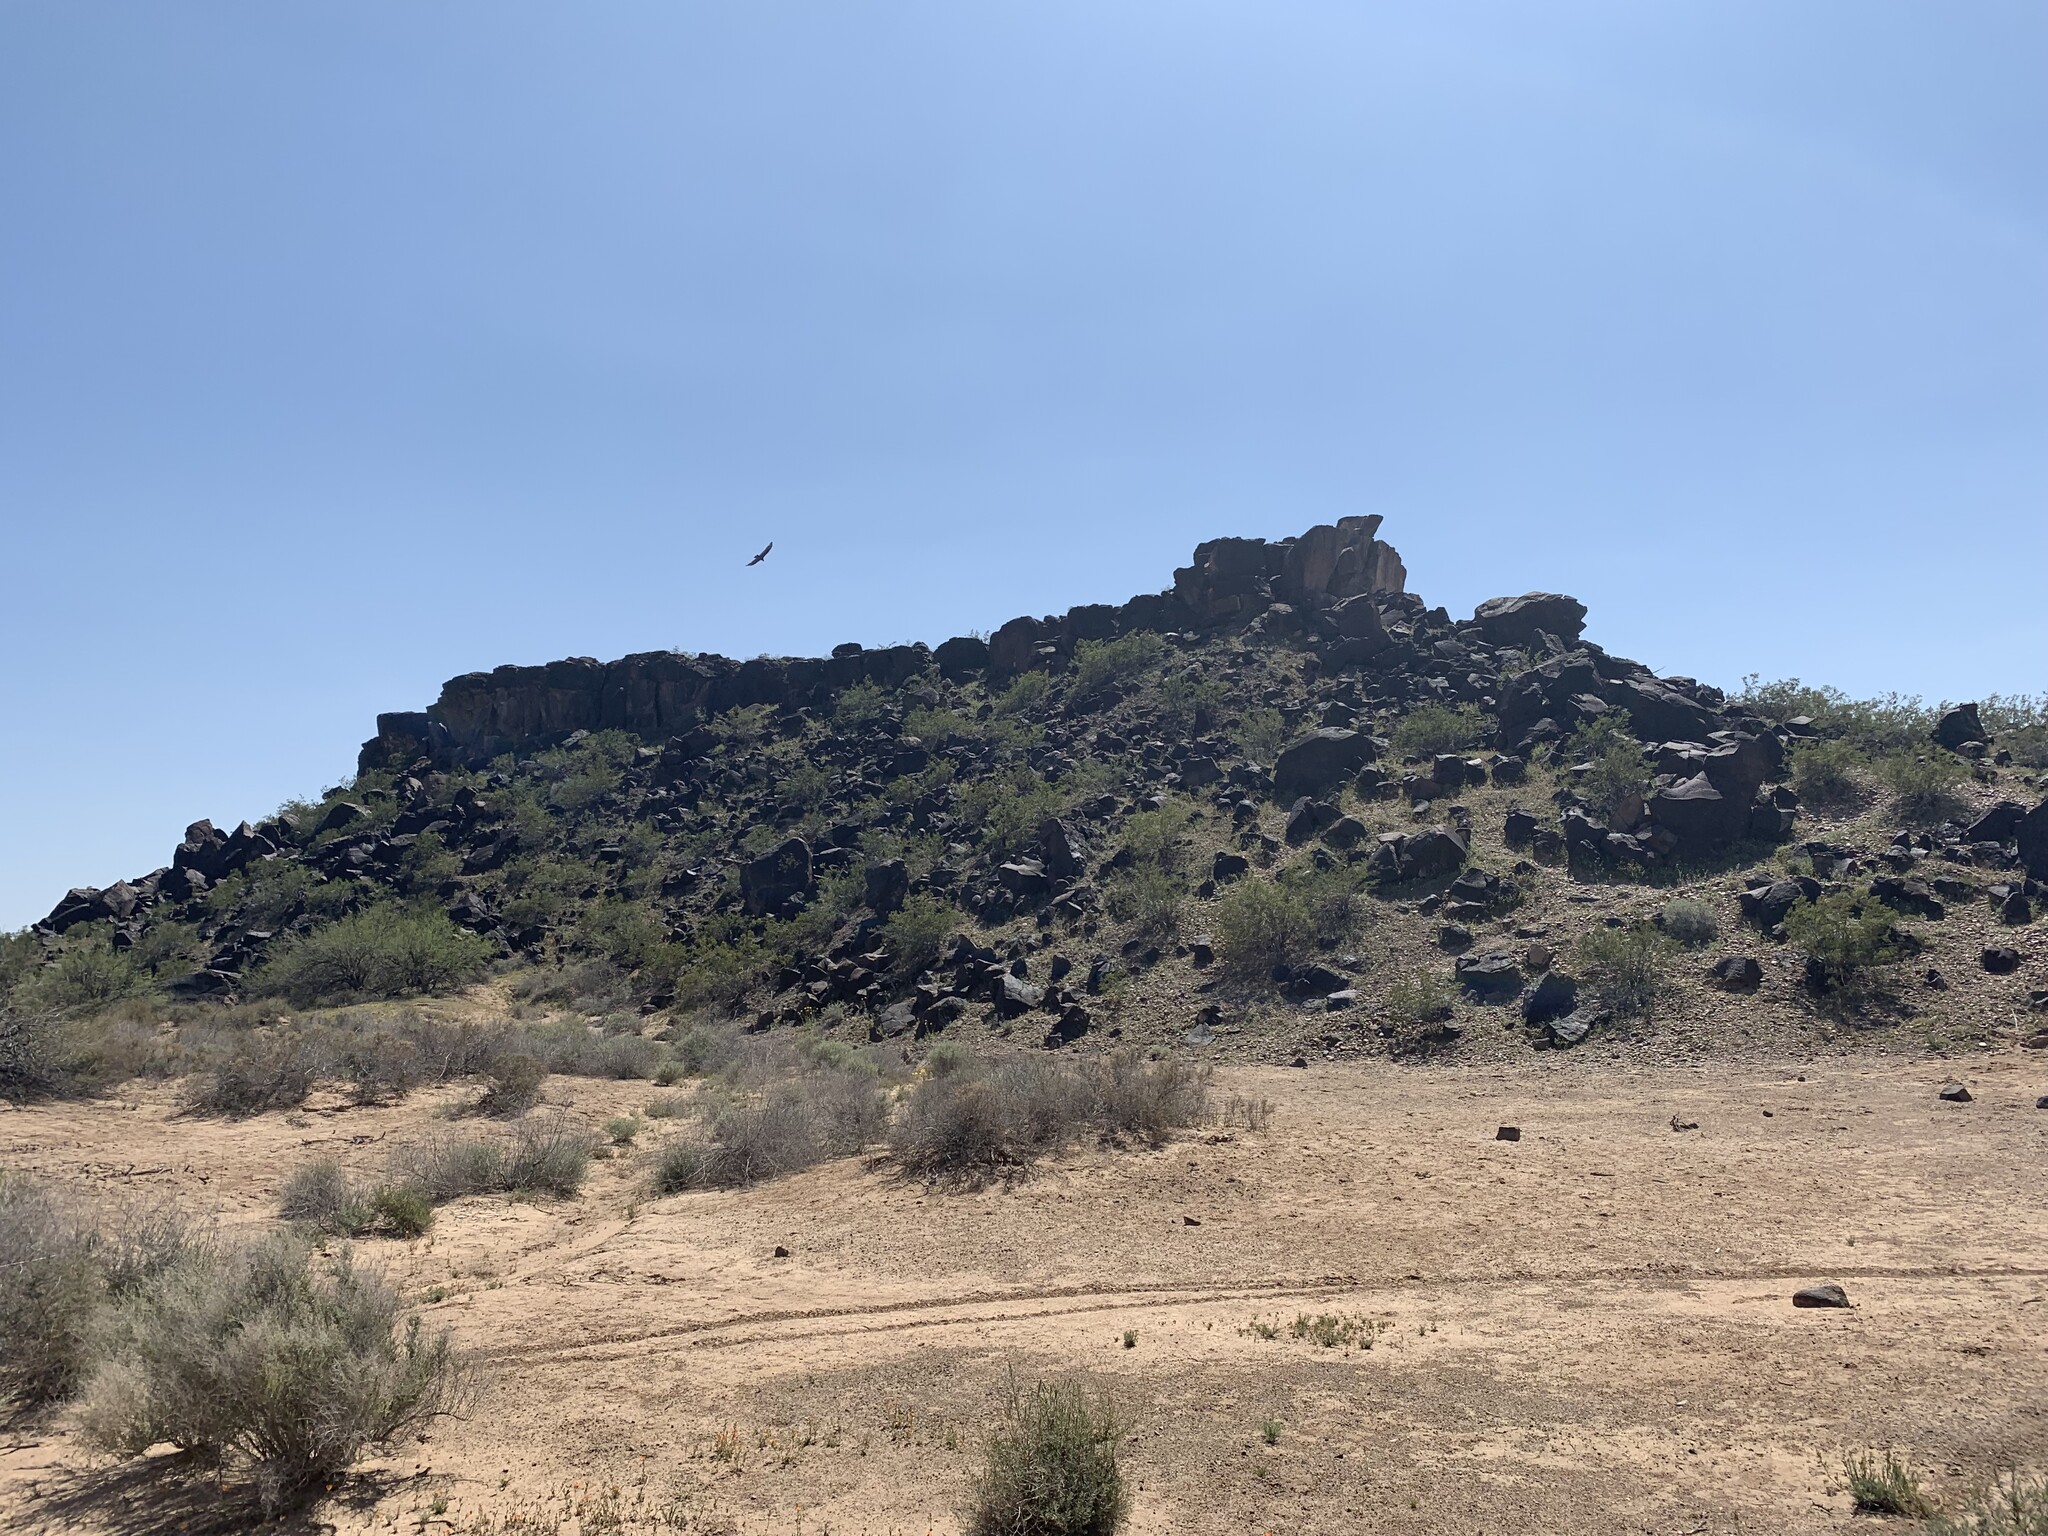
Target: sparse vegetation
[1884, 1486]
[1888, 723]
[1827, 774]
[382, 952]
[1925, 789]
[1606, 763]
[1848, 940]
[268, 1356]
[1418, 998]
[1690, 922]
[980, 1115]
[1624, 968]
[1259, 925]
[2015, 1505]
[1432, 728]
[1050, 1467]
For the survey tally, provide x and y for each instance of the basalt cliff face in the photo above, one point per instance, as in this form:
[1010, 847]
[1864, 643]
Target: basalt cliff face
[662, 693]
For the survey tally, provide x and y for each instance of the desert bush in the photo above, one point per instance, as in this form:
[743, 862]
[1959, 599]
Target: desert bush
[1259, 925]
[1154, 837]
[59, 1269]
[1925, 790]
[1889, 723]
[1331, 898]
[1186, 703]
[665, 1106]
[315, 1192]
[1145, 1100]
[381, 1067]
[513, 1087]
[2015, 1505]
[1100, 664]
[245, 1072]
[916, 930]
[977, 1116]
[1420, 997]
[51, 1290]
[1150, 899]
[1607, 762]
[795, 1124]
[1050, 1467]
[1624, 968]
[1826, 774]
[1432, 728]
[1847, 939]
[29, 1066]
[86, 974]
[544, 1156]
[261, 1354]
[1884, 1486]
[622, 1129]
[1028, 689]
[1262, 734]
[382, 951]
[1690, 922]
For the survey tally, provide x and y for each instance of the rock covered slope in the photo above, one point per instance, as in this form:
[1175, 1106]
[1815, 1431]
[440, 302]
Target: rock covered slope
[886, 834]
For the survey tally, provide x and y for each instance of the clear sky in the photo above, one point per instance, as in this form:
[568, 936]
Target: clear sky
[348, 346]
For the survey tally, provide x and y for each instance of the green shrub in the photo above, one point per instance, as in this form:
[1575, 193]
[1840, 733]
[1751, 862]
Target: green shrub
[1925, 790]
[1827, 774]
[1261, 735]
[1690, 923]
[1624, 968]
[1028, 690]
[1432, 728]
[1050, 1468]
[1099, 664]
[513, 1087]
[622, 1129]
[87, 974]
[861, 704]
[1187, 703]
[381, 952]
[1847, 939]
[1149, 899]
[315, 1192]
[1420, 997]
[1332, 900]
[260, 1354]
[1889, 723]
[1607, 762]
[915, 931]
[1884, 1486]
[1260, 925]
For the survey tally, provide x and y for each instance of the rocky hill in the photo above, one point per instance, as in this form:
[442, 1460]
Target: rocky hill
[1285, 787]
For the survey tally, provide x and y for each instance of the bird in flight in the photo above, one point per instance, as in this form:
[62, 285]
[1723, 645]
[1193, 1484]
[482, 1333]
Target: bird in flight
[763, 555]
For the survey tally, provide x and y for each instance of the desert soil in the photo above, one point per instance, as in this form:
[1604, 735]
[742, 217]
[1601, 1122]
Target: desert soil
[1587, 1330]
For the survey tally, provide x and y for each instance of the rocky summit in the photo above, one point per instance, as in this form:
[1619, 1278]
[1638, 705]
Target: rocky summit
[882, 838]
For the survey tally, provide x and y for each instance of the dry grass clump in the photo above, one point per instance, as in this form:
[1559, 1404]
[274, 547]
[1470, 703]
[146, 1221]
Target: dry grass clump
[790, 1126]
[1050, 1467]
[265, 1356]
[1884, 1486]
[2016, 1505]
[546, 1156]
[982, 1115]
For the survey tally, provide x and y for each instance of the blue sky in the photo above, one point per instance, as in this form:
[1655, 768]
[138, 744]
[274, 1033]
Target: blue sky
[345, 347]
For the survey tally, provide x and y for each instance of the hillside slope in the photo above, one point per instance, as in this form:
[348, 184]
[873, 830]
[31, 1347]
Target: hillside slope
[1285, 796]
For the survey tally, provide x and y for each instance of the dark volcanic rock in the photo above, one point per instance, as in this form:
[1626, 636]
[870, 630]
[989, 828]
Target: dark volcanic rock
[1321, 760]
[769, 882]
[1519, 620]
[1738, 973]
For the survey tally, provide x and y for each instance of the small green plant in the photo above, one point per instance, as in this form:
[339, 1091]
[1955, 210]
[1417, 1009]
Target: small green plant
[1884, 1486]
[1925, 791]
[1433, 728]
[1259, 925]
[1269, 1431]
[1029, 689]
[1607, 762]
[1100, 664]
[1130, 1338]
[1149, 899]
[1624, 968]
[1261, 735]
[916, 931]
[1419, 997]
[622, 1129]
[1690, 923]
[1828, 774]
[1050, 1467]
[1848, 939]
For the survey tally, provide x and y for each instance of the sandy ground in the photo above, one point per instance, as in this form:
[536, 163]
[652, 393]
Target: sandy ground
[1587, 1330]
